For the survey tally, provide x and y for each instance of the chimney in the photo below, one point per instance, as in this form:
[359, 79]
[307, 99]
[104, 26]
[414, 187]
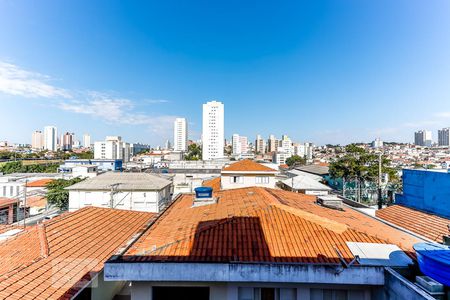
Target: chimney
[203, 196]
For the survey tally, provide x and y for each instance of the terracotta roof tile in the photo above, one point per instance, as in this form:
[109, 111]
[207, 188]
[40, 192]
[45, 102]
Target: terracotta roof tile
[425, 224]
[214, 183]
[259, 225]
[51, 260]
[247, 165]
[39, 182]
[7, 201]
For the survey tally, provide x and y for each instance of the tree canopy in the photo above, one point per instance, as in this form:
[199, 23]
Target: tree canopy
[19, 167]
[57, 195]
[194, 152]
[295, 160]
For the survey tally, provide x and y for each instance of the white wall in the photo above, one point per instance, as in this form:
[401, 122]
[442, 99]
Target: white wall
[148, 201]
[246, 181]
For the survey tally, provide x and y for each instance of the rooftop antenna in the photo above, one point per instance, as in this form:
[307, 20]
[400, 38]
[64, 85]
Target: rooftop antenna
[112, 193]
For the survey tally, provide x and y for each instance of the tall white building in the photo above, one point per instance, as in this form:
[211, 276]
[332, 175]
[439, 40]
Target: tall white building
[213, 130]
[50, 138]
[286, 144]
[37, 140]
[272, 144]
[180, 135]
[377, 143]
[423, 138]
[112, 148]
[444, 137]
[86, 140]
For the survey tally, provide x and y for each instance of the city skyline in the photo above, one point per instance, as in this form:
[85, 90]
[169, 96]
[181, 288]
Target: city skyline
[325, 73]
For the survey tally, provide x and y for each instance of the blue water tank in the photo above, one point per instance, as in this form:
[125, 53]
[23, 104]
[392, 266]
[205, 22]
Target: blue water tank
[203, 192]
[434, 261]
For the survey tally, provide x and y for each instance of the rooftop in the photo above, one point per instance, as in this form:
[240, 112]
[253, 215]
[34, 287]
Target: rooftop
[260, 225]
[39, 182]
[425, 224]
[247, 165]
[126, 181]
[315, 169]
[214, 183]
[53, 260]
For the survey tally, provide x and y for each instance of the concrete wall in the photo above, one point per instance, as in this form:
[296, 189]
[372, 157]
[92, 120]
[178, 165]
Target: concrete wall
[247, 181]
[398, 288]
[237, 291]
[426, 190]
[149, 201]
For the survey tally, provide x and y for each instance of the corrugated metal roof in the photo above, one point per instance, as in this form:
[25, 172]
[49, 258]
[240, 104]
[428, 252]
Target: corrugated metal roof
[125, 181]
[315, 169]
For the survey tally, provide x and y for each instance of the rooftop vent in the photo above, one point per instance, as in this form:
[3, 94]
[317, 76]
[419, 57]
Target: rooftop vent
[203, 196]
[330, 201]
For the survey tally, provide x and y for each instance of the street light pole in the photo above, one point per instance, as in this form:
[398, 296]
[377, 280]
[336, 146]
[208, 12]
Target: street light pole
[380, 200]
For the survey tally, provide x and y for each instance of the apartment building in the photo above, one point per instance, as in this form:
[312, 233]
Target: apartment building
[180, 135]
[423, 138]
[444, 137]
[112, 148]
[50, 138]
[213, 138]
[37, 140]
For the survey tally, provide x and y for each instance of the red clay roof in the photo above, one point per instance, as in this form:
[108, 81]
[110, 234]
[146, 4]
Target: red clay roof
[214, 183]
[36, 201]
[6, 201]
[425, 224]
[259, 225]
[54, 259]
[39, 182]
[247, 165]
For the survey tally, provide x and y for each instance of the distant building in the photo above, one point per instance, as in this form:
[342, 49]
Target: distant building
[67, 141]
[213, 130]
[37, 140]
[286, 144]
[377, 143]
[423, 138]
[86, 140]
[239, 144]
[180, 135]
[128, 191]
[444, 137]
[246, 173]
[280, 156]
[50, 138]
[112, 148]
[137, 148]
[272, 144]
[260, 145]
[102, 165]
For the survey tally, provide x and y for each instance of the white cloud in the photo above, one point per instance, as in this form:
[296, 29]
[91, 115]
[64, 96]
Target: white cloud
[444, 114]
[156, 101]
[19, 82]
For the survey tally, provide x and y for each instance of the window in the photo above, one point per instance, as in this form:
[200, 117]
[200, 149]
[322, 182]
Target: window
[170, 292]
[326, 294]
[262, 179]
[249, 293]
[237, 179]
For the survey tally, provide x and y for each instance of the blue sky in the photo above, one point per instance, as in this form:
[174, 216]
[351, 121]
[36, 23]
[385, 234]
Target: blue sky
[320, 71]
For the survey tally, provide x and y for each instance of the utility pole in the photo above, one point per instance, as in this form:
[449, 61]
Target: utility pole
[25, 203]
[380, 200]
[111, 195]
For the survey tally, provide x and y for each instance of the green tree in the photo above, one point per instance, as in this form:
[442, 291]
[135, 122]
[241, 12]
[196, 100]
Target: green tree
[194, 152]
[361, 167]
[56, 193]
[295, 160]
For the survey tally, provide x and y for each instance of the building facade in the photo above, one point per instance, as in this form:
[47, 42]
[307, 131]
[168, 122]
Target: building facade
[67, 141]
[444, 137]
[86, 140]
[37, 140]
[180, 135]
[112, 148]
[50, 138]
[423, 138]
[272, 144]
[213, 130]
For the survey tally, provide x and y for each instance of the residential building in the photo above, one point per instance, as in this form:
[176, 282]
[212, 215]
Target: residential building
[280, 156]
[444, 137]
[305, 183]
[128, 191]
[50, 138]
[259, 243]
[67, 141]
[63, 258]
[103, 165]
[180, 135]
[272, 144]
[423, 138]
[239, 144]
[377, 143]
[87, 141]
[247, 173]
[303, 150]
[37, 140]
[112, 148]
[286, 144]
[213, 136]
[260, 145]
